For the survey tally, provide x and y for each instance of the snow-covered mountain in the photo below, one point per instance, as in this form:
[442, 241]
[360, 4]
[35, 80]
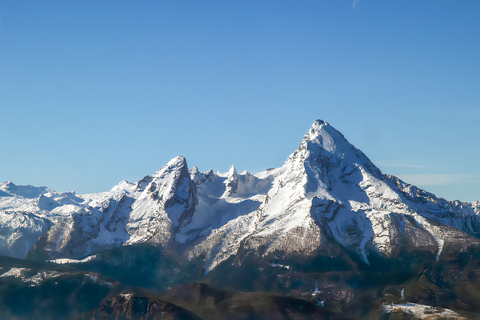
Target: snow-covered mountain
[327, 191]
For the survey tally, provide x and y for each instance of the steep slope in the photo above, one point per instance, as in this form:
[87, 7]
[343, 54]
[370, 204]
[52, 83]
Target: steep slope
[329, 190]
[327, 186]
[164, 202]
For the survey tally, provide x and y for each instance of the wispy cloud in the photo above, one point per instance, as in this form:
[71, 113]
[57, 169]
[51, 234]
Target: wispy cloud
[354, 5]
[435, 179]
[400, 165]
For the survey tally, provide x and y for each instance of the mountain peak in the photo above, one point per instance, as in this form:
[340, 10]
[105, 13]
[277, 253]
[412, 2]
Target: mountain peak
[321, 138]
[232, 181]
[323, 144]
[7, 185]
[176, 164]
[232, 171]
[319, 122]
[180, 160]
[325, 136]
[194, 170]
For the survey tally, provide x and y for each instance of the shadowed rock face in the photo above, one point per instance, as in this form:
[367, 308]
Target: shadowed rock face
[128, 306]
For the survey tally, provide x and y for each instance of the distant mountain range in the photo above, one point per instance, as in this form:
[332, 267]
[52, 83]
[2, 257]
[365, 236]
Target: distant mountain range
[327, 200]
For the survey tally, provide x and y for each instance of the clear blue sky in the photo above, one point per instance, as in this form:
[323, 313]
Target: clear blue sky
[94, 92]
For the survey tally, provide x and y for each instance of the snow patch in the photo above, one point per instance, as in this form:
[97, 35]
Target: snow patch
[66, 260]
[419, 310]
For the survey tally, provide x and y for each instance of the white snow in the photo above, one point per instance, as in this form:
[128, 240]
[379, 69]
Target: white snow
[24, 274]
[434, 231]
[419, 310]
[66, 260]
[15, 272]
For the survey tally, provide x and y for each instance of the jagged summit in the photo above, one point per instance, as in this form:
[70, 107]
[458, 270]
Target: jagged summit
[232, 171]
[323, 145]
[321, 138]
[177, 162]
[320, 133]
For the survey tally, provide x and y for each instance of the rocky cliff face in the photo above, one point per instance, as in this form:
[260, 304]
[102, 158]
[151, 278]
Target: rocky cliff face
[326, 192]
[163, 203]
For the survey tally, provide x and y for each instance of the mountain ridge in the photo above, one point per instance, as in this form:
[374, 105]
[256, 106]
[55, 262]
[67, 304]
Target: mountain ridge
[327, 190]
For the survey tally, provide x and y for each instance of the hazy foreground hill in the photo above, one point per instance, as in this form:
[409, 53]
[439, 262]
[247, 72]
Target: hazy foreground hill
[325, 236]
